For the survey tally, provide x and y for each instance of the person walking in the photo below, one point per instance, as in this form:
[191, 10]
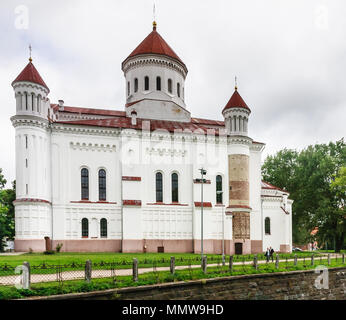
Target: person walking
[267, 254]
[271, 252]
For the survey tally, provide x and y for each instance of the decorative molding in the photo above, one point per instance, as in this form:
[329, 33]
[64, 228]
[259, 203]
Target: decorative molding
[166, 152]
[30, 121]
[128, 178]
[205, 204]
[136, 203]
[31, 201]
[93, 146]
[93, 202]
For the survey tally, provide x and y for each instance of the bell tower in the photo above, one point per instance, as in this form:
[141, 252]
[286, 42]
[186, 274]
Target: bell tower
[32, 136]
[236, 114]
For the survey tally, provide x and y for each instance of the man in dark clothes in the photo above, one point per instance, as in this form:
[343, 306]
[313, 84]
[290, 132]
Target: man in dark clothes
[272, 253]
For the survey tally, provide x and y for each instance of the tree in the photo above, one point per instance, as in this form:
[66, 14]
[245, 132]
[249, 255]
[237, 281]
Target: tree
[309, 176]
[7, 196]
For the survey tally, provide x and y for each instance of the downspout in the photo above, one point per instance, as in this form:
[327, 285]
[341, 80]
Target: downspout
[51, 181]
[121, 193]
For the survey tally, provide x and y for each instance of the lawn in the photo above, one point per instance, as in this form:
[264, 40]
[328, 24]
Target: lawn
[123, 260]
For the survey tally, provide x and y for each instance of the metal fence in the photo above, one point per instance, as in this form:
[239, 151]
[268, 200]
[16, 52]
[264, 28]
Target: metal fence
[156, 270]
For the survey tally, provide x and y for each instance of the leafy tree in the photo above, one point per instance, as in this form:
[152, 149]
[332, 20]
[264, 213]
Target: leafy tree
[7, 196]
[314, 179]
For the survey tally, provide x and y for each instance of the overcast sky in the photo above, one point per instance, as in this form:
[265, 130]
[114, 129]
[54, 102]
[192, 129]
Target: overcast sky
[289, 57]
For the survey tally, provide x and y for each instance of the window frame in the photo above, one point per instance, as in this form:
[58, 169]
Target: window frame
[175, 192]
[103, 228]
[146, 83]
[219, 183]
[103, 187]
[267, 224]
[85, 228]
[158, 193]
[85, 188]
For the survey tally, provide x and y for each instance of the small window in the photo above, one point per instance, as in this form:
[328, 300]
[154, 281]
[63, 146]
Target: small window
[102, 185]
[38, 103]
[136, 84]
[170, 85]
[175, 188]
[26, 162]
[178, 89]
[26, 142]
[26, 101]
[158, 83]
[103, 228]
[85, 184]
[159, 191]
[146, 83]
[32, 102]
[27, 189]
[128, 88]
[267, 225]
[218, 189]
[85, 228]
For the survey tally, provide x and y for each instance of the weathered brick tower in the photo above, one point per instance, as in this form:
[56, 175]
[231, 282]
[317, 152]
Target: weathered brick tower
[236, 114]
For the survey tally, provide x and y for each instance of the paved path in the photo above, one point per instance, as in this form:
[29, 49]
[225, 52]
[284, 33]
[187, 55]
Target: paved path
[79, 274]
[11, 253]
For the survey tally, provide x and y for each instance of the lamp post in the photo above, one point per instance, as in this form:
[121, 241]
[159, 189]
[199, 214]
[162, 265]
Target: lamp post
[203, 172]
[223, 229]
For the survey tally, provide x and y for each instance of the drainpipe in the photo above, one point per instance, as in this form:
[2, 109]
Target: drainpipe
[51, 181]
[121, 193]
[262, 221]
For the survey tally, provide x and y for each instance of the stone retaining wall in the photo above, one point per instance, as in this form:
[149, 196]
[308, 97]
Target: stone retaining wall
[278, 286]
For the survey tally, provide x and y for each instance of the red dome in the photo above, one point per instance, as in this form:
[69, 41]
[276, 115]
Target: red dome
[30, 74]
[155, 44]
[236, 101]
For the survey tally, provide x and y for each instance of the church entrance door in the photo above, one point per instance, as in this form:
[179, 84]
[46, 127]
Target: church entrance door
[238, 248]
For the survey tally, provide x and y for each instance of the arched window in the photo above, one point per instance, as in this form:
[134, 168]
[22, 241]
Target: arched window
[85, 184]
[128, 88]
[32, 102]
[136, 85]
[103, 228]
[102, 185]
[158, 83]
[267, 225]
[178, 89]
[85, 228]
[146, 83]
[26, 101]
[170, 85]
[38, 103]
[159, 191]
[175, 187]
[218, 189]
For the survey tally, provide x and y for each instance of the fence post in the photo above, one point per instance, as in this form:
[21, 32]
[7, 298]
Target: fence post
[172, 265]
[88, 271]
[328, 259]
[343, 258]
[204, 264]
[295, 260]
[277, 261]
[135, 270]
[312, 259]
[26, 275]
[255, 261]
[231, 263]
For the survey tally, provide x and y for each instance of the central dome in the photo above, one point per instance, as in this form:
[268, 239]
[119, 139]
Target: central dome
[155, 44]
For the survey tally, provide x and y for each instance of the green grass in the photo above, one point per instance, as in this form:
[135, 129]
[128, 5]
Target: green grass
[52, 288]
[123, 260]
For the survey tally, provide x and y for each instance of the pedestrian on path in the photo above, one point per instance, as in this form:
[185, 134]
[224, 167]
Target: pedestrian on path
[267, 254]
[271, 252]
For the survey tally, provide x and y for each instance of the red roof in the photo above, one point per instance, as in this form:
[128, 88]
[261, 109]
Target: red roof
[91, 111]
[30, 74]
[155, 44]
[236, 101]
[267, 185]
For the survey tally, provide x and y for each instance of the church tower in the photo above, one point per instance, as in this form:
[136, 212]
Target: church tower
[155, 81]
[32, 138]
[236, 114]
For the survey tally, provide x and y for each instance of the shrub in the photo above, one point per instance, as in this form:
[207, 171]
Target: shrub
[30, 250]
[49, 252]
[58, 247]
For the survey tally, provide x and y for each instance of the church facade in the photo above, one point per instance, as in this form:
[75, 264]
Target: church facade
[148, 178]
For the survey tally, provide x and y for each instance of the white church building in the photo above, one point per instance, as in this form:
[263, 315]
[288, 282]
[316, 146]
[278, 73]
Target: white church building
[130, 181]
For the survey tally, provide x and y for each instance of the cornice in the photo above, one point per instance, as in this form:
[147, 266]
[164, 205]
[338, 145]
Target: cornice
[29, 121]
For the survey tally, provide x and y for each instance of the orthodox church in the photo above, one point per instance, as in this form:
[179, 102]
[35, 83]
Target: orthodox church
[147, 178]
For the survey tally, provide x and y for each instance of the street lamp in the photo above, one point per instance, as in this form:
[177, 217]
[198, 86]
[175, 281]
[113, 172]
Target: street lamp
[203, 172]
[223, 230]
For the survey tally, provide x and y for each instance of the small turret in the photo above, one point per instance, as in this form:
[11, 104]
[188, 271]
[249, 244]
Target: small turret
[31, 92]
[236, 114]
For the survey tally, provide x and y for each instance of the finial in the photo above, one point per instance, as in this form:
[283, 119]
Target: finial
[235, 83]
[154, 17]
[30, 59]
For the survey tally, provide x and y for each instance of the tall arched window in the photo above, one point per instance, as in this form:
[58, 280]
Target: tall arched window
[103, 228]
[39, 103]
[159, 191]
[85, 228]
[146, 83]
[170, 85]
[136, 85]
[218, 189]
[128, 88]
[175, 187]
[158, 83]
[26, 101]
[85, 184]
[102, 185]
[32, 102]
[178, 89]
[267, 225]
